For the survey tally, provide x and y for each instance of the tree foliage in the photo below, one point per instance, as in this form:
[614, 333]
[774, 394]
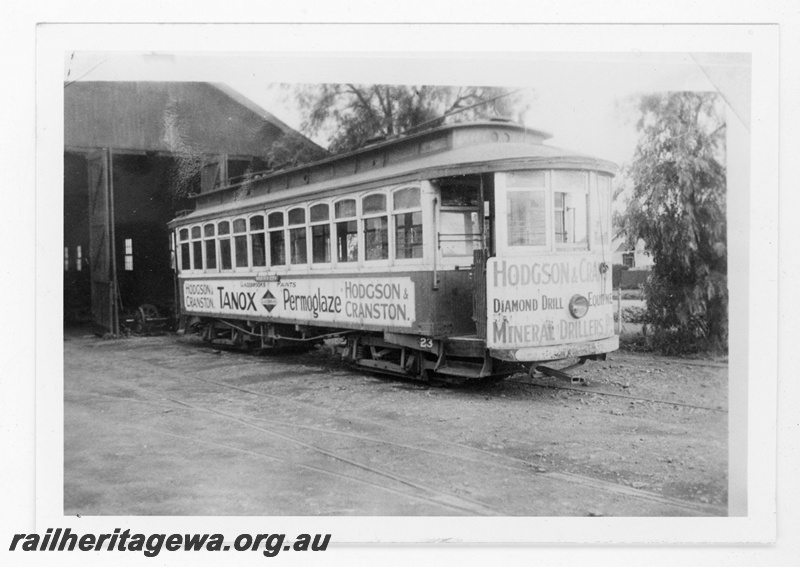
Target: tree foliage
[353, 114]
[678, 207]
[293, 149]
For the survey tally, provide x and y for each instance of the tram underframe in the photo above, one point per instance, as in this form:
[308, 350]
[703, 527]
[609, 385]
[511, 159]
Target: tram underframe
[444, 360]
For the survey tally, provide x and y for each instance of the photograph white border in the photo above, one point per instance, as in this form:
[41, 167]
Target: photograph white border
[758, 525]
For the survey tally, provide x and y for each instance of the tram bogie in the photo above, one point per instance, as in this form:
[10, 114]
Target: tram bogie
[465, 252]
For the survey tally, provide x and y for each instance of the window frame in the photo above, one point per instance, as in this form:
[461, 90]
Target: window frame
[272, 230]
[295, 227]
[600, 244]
[213, 241]
[311, 224]
[355, 217]
[251, 233]
[128, 255]
[187, 258]
[592, 192]
[477, 242]
[394, 212]
[229, 237]
[364, 217]
[568, 246]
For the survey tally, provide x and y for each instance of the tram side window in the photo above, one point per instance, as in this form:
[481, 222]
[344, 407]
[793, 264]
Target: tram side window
[240, 242]
[297, 236]
[407, 223]
[223, 230]
[376, 227]
[197, 249]
[257, 241]
[320, 234]
[211, 247]
[570, 209]
[277, 240]
[185, 258]
[460, 219]
[346, 231]
[525, 203]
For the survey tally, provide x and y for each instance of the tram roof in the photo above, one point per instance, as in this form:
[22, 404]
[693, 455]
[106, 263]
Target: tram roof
[464, 148]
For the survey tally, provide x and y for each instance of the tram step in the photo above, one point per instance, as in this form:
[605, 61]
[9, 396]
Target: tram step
[464, 369]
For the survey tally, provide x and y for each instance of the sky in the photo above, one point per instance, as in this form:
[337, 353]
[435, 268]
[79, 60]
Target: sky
[586, 101]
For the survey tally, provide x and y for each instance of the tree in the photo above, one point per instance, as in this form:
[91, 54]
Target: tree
[354, 114]
[678, 207]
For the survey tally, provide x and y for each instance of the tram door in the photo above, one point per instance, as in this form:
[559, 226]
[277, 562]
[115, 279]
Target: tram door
[104, 311]
[482, 253]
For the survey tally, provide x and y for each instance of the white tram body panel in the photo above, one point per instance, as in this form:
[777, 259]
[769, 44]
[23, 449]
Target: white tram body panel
[443, 251]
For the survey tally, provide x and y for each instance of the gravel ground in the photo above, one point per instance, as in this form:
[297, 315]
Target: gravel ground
[170, 426]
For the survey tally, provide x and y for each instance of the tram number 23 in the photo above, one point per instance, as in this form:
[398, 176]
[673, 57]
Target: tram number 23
[425, 342]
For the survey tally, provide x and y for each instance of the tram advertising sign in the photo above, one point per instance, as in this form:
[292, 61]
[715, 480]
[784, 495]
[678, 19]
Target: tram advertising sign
[548, 300]
[374, 301]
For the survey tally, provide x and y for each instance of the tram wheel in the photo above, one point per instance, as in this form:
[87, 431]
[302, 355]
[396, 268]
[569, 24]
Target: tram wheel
[142, 317]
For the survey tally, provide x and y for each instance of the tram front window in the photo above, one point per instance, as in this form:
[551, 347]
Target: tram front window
[526, 218]
[570, 210]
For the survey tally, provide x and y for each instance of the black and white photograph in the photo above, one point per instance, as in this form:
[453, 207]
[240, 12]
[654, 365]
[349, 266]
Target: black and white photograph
[319, 287]
[411, 303]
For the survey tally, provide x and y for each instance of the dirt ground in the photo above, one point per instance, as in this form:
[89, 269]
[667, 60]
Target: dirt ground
[170, 426]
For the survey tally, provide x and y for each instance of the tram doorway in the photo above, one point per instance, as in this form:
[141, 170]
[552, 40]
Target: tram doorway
[466, 229]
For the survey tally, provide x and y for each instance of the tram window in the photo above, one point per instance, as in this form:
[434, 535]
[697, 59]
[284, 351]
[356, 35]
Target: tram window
[376, 238]
[211, 247]
[197, 249]
[407, 224]
[183, 235]
[529, 179]
[600, 207]
[223, 229]
[460, 231]
[408, 235]
[376, 228]
[277, 240]
[257, 241]
[320, 234]
[66, 258]
[570, 210]
[346, 231]
[460, 217]
[240, 242]
[460, 196]
[297, 237]
[526, 218]
[373, 204]
[78, 258]
[345, 209]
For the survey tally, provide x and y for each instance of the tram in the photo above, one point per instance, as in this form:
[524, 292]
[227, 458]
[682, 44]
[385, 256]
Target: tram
[467, 251]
